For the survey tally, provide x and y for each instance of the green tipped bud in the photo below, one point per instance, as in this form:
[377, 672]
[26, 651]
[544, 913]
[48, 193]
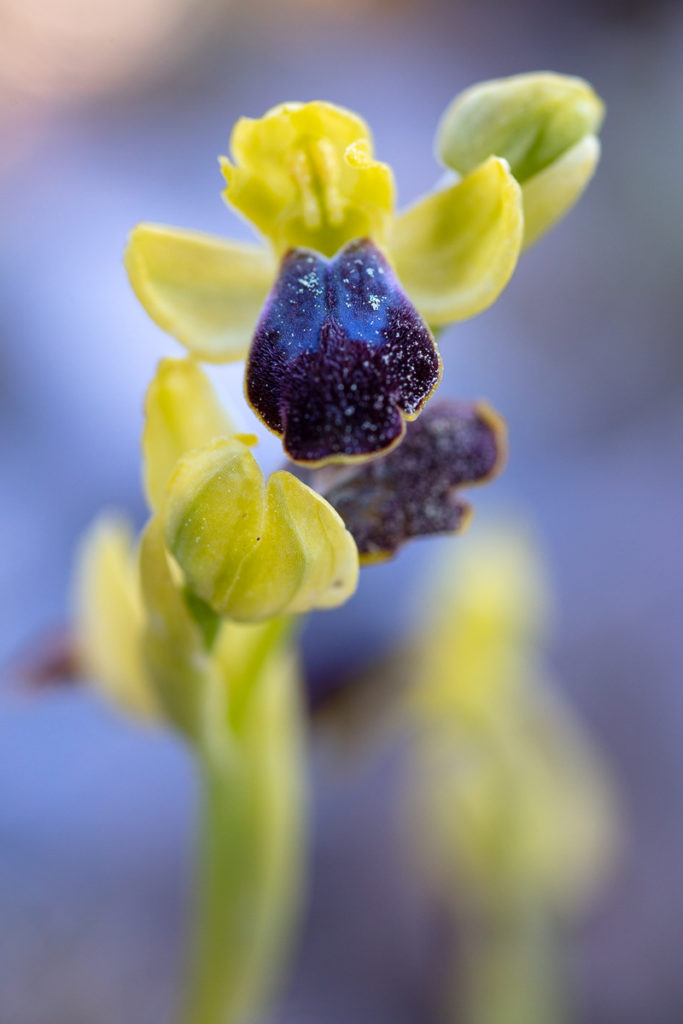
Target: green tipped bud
[543, 124]
[530, 120]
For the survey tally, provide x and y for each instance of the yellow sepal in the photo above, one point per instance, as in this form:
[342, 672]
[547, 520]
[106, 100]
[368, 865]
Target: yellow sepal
[204, 291]
[253, 552]
[182, 412]
[456, 249]
[305, 559]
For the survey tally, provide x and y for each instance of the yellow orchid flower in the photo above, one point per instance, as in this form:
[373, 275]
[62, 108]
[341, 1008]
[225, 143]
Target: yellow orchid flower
[332, 310]
[208, 292]
[545, 125]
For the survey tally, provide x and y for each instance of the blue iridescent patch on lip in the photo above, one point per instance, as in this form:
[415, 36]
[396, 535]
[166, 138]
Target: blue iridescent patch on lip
[340, 356]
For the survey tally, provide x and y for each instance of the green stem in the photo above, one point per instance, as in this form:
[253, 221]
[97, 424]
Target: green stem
[250, 855]
[513, 972]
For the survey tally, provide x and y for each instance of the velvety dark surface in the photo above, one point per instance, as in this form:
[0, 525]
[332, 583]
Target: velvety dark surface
[339, 353]
[412, 491]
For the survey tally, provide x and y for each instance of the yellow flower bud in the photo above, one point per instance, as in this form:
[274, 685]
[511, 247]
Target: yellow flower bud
[513, 793]
[540, 124]
[253, 551]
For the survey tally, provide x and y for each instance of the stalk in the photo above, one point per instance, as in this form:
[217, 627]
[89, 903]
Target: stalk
[250, 858]
[514, 975]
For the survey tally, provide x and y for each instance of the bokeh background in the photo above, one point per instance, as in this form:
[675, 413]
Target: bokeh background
[114, 112]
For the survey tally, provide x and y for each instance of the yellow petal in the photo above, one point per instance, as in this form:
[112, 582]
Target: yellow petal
[182, 412]
[109, 617]
[204, 291]
[304, 175]
[530, 120]
[455, 250]
[551, 194]
[252, 552]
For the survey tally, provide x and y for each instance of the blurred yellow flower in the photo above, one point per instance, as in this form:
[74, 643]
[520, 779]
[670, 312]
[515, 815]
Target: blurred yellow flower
[516, 816]
[109, 617]
[522, 804]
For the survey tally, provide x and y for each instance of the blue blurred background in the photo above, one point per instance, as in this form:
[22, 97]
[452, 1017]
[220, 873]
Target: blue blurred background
[114, 112]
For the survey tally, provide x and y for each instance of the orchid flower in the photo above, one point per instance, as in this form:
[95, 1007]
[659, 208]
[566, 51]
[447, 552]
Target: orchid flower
[335, 310]
[332, 309]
